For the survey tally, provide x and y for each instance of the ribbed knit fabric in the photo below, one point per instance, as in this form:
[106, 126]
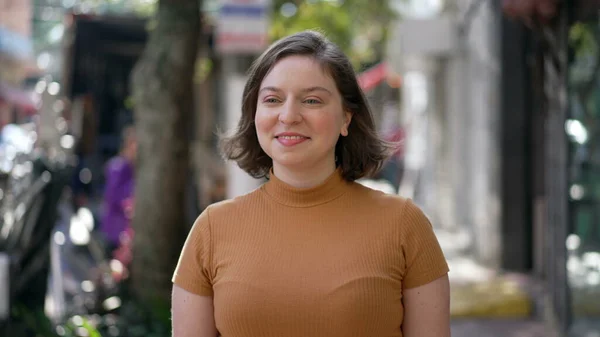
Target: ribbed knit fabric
[328, 261]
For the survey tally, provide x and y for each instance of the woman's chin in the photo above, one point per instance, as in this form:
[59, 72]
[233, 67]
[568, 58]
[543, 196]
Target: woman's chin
[291, 162]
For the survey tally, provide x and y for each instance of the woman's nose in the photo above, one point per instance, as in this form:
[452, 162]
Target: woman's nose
[290, 114]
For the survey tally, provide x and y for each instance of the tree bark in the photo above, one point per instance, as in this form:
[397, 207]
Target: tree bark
[162, 83]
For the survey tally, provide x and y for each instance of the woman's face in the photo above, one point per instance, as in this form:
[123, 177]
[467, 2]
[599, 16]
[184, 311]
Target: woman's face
[299, 115]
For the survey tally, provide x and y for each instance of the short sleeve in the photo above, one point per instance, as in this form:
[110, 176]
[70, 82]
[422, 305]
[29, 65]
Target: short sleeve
[424, 259]
[193, 268]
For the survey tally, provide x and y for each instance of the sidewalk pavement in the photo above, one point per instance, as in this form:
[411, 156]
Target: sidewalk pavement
[484, 302]
[481, 292]
[493, 305]
[488, 303]
[499, 328]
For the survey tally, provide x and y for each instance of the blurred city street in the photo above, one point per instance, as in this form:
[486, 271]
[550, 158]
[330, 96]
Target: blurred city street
[494, 107]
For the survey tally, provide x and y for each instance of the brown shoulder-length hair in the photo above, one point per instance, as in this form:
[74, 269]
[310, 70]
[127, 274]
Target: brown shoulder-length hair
[359, 154]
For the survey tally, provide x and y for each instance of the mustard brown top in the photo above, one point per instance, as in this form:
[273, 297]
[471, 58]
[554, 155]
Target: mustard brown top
[332, 260]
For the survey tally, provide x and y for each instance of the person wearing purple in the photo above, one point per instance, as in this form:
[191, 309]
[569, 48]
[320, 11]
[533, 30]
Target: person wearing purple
[118, 192]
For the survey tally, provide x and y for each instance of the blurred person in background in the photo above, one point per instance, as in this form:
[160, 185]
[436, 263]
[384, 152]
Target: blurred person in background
[117, 210]
[311, 252]
[393, 168]
[393, 132]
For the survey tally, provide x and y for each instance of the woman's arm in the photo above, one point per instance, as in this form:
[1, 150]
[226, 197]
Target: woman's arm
[193, 315]
[427, 310]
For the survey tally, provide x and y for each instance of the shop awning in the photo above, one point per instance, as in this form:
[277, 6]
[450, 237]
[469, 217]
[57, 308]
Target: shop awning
[371, 77]
[375, 75]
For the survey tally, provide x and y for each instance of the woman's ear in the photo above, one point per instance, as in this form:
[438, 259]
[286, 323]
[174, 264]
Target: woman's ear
[346, 125]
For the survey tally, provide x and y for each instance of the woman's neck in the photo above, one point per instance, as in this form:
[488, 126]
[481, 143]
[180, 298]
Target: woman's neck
[302, 178]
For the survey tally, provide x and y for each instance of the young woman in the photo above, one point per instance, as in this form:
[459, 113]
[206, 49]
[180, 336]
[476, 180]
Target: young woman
[311, 252]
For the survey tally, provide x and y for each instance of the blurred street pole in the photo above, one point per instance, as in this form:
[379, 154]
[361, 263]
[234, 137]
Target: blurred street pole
[238, 181]
[241, 35]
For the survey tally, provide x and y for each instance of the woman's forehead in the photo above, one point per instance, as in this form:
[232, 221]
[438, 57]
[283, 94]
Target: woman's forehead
[301, 73]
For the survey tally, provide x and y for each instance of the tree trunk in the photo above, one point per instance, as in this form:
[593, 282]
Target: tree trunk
[163, 92]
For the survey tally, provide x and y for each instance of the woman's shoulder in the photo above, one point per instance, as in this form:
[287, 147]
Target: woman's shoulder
[372, 196]
[397, 208]
[237, 206]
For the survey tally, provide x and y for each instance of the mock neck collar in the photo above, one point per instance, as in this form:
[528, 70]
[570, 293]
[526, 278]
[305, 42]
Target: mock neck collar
[283, 193]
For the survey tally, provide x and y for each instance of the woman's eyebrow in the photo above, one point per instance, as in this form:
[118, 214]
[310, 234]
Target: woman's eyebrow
[274, 89]
[316, 88]
[306, 90]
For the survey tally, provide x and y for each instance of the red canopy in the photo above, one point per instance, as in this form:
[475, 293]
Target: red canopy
[371, 77]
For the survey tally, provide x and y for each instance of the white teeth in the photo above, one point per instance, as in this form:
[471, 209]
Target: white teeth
[291, 137]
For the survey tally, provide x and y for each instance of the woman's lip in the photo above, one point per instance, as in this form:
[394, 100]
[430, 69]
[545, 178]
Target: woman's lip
[290, 134]
[291, 141]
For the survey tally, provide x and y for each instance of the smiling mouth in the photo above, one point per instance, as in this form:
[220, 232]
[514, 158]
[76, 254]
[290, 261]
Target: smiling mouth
[291, 140]
[291, 137]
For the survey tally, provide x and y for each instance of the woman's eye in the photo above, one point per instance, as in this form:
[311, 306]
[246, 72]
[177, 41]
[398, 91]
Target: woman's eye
[271, 100]
[312, 101]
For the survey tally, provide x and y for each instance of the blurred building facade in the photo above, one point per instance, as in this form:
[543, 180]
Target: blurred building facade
[15, 59]
[501, 146]
[450, 61]
[487, 156]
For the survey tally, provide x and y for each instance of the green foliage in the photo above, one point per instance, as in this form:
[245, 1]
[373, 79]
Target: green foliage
[132, 319]
[324, 16]
[359, 27]
[143, 8]
[24, 322]
[582, 39]
[203, 68]
[585, 67]
[43, 25]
